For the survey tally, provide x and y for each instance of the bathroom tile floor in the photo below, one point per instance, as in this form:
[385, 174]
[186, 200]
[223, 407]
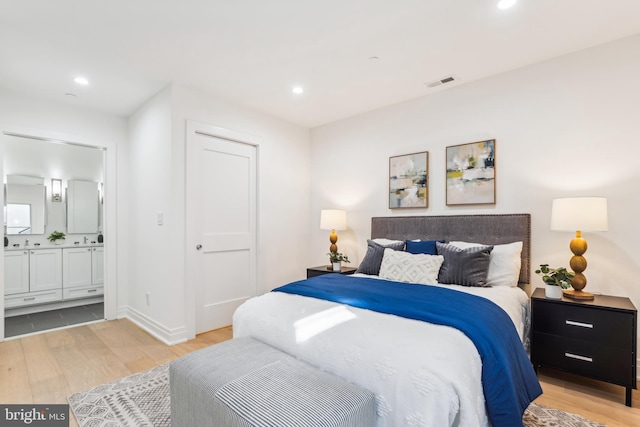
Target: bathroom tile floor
[36, 322]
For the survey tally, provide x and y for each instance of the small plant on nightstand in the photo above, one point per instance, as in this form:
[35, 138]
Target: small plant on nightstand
[555, 280]
[336, 259]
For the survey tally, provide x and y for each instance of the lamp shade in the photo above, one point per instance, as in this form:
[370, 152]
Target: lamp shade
[333, 219]
[579, 213]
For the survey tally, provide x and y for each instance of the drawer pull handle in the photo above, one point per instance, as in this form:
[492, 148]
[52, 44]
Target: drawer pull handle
[575, 356]
[30, 298]
[582, 325]
[92, 290]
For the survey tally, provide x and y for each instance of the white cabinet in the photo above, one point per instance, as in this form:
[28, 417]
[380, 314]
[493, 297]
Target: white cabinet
[76, 267]
[32, 276]
[16, 272]
[38, 276]
[97, 265]
[83, 272]
[32, 298]
[45, 269]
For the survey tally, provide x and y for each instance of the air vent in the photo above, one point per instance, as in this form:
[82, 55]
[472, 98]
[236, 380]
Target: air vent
[442, 81]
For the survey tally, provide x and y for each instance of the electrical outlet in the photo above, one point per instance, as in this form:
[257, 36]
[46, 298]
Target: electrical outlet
[148, 298]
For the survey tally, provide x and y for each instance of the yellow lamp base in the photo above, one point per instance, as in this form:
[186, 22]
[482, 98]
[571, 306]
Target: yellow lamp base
[577, 295]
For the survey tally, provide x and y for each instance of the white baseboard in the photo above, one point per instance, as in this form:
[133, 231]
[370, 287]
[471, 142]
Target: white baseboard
[168, 336]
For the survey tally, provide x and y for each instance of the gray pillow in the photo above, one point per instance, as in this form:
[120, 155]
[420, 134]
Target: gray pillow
[373, 258]
[466, 267]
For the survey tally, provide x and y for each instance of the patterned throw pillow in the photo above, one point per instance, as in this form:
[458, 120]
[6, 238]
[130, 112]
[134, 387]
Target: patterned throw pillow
[466, 267]
[373, 258]
[410, 268]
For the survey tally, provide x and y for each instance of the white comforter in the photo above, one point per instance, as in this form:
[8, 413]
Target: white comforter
[422, 374]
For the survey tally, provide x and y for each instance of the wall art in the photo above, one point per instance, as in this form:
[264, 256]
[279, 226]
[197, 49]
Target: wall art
[408, 181]
[471, 173]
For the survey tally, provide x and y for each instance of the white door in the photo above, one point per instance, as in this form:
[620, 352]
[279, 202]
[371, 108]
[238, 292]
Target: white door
[221, 223]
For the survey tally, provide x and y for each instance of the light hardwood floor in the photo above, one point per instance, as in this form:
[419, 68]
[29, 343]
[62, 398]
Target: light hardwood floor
[48, 367]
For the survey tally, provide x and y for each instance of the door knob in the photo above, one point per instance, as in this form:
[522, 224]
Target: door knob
[198, 247]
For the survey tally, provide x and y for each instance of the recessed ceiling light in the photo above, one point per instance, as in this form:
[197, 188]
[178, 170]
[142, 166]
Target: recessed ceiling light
[81, 81]
[506, 4]
[373, 58]
[70, 95]
[297, 90]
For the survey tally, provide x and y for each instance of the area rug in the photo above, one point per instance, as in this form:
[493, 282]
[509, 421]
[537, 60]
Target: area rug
[142, 400]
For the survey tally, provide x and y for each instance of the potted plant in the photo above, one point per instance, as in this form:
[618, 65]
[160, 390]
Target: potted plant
[336, 259]
[555, 279]
[57, 237]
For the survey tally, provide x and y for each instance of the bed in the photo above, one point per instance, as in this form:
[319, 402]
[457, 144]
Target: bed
[423, 374]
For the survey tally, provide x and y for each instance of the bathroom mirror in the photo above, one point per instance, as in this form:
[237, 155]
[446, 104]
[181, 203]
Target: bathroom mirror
[83, 202]
[24, 212]
[59, 205]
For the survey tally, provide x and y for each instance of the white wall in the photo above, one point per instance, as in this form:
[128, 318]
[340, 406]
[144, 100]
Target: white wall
[157, 175]
[151, 261]
[32, 116]
[566, 127]
[62, 119]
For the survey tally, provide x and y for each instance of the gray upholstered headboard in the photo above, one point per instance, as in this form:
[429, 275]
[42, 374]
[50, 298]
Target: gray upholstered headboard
[488, 229]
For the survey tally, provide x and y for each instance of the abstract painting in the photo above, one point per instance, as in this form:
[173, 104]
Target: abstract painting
[408, 181]
[471, 173]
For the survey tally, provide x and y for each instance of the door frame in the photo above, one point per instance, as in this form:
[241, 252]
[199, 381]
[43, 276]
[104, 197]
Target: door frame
[193, 128]
[110, 218]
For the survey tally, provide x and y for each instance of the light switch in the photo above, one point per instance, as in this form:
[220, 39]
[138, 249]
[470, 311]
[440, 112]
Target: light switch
[160, 218]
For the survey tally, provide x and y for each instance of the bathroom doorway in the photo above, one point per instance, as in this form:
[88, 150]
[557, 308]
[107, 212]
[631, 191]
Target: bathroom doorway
[48, 282]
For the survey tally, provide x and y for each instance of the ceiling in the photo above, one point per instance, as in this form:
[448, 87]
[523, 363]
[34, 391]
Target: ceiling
[252, 52]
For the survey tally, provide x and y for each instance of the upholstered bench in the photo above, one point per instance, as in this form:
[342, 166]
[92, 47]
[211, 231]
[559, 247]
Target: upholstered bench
[244, 382]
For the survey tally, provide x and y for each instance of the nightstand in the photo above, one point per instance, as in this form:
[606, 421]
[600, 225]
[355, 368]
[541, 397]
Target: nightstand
[323, 269]
[596, 339]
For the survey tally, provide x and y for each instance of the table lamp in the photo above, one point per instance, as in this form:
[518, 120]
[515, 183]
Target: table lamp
[333, 219]
[579, 214]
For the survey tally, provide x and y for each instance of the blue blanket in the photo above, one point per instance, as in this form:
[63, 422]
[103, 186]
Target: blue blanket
[508, 379]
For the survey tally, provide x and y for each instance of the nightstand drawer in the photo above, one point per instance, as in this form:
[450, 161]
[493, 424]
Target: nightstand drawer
[606, 327]
[584, 358]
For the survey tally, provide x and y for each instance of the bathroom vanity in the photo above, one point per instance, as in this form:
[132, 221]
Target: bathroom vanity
[67, 275]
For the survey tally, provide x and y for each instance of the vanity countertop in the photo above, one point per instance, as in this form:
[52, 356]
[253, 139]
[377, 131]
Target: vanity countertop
[52, 246]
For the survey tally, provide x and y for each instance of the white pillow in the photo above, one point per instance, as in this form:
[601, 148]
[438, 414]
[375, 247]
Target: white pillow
[410, 268]
[504, 262]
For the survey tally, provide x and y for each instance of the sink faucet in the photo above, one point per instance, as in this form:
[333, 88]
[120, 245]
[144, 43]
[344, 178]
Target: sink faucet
[85, 240]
